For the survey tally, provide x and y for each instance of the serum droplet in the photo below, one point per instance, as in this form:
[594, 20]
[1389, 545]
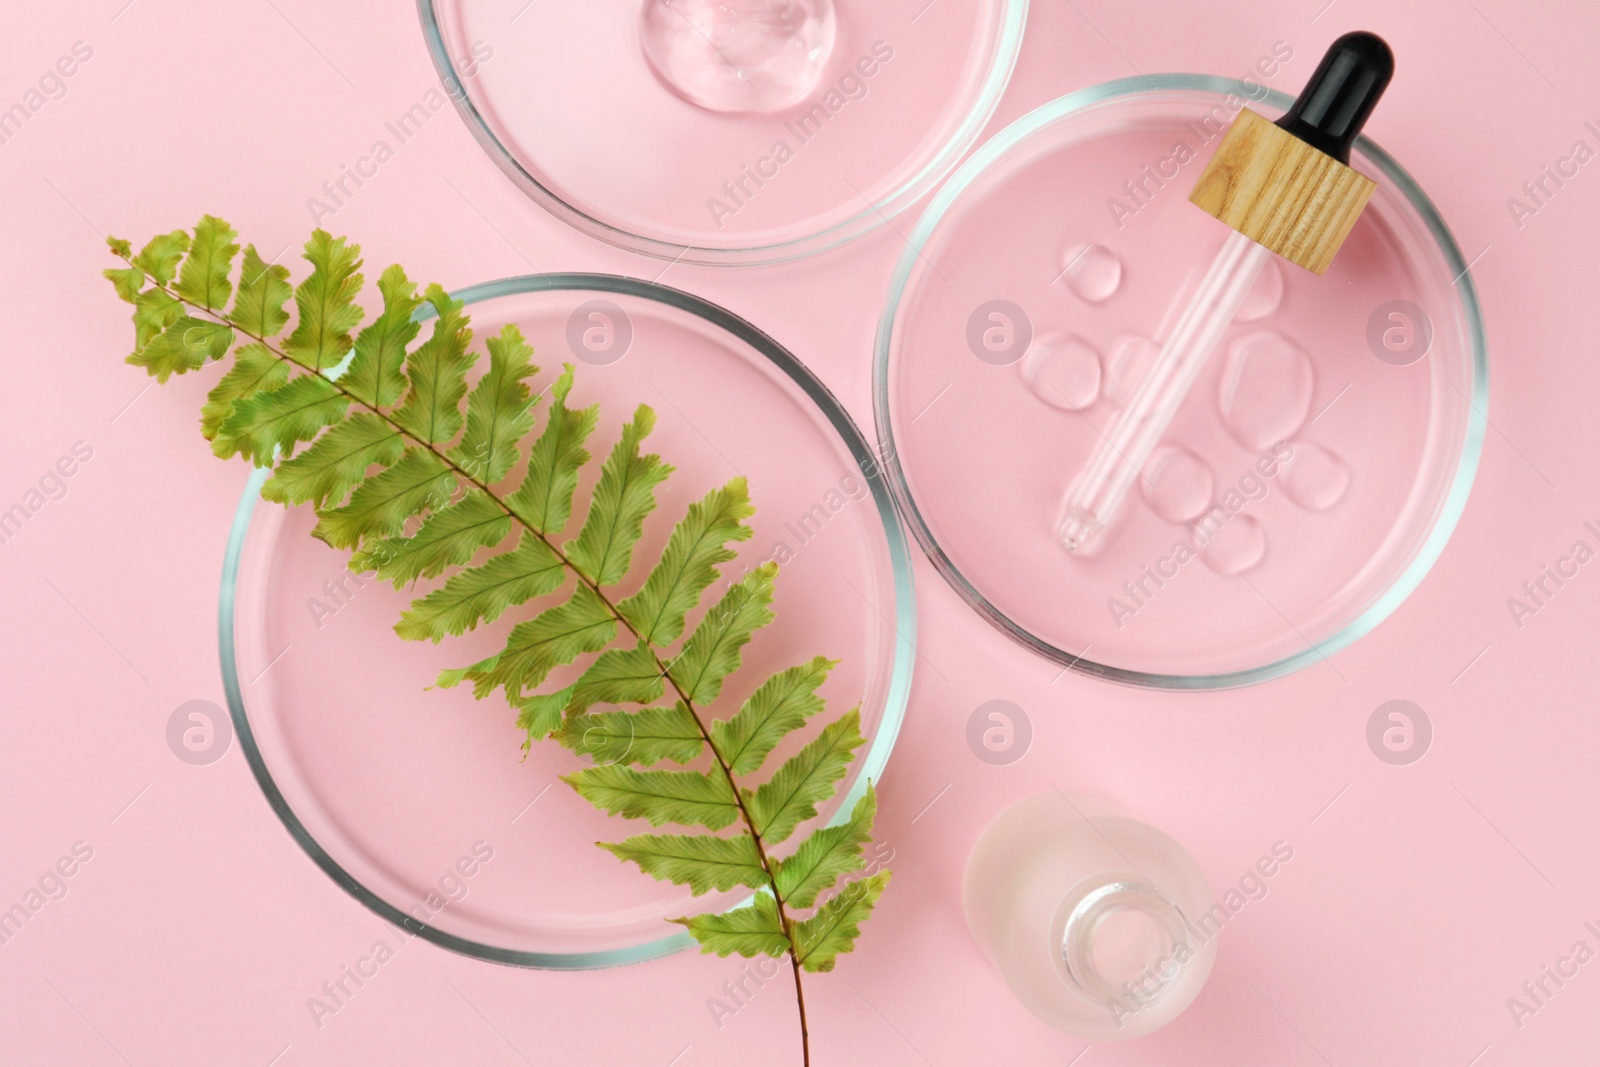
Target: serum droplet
[1093, 271]
[1177, 484]
[739, 55]
[1063, 370]
[1239, 545]
[1126, 367]
[1315, 478]
[1266, 389]
[1265, 296]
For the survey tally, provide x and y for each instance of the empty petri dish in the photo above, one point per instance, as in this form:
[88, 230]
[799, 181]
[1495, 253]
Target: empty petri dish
[397, 792]
[731, 132]
[1381, 363]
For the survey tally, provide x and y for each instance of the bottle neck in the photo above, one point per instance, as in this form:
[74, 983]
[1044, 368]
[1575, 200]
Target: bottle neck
[1123, 943]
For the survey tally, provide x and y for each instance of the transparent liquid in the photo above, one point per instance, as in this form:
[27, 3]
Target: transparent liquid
[739, 55]
[1063, 370]
[1092, 271]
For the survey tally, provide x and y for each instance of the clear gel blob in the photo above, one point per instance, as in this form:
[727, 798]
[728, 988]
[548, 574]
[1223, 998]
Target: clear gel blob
[1265, 296]
[1177, 484]
[1092, 271]
[1266, 389]
[1126, 367]
[1237, 546]
[1063, 370]
[739, 55]
[1315, 478]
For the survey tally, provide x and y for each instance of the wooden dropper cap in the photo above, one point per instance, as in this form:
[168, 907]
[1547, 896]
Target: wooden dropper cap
[1288, 185]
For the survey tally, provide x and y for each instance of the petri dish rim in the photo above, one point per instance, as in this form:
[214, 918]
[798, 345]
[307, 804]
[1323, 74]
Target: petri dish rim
[904, 622]
[1451, 507]
[1007, 45]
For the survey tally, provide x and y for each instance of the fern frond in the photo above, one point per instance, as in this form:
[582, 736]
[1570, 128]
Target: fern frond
[403, 465]
[791, 797]
[544, 500]
[374, 375]
[499, 413]
[437, 374]
[484, 593]
[203, 279]
[687, 798]
[827, 855]
[688, 566]
[640, 738]
[626, 494]
[263, 290]
[713, 650]
[699, 861]
[326, 302]
[821, 939]
[783, 703]
[755, 930]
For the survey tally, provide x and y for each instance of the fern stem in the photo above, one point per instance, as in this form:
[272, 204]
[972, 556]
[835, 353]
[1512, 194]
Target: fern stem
[594, 587]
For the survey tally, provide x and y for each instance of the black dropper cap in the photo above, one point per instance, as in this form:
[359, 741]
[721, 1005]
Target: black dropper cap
[1334, 105]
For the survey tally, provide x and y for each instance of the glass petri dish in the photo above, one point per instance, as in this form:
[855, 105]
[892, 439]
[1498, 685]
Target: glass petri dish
[1337, 427]
[904, 91]
[420, 804]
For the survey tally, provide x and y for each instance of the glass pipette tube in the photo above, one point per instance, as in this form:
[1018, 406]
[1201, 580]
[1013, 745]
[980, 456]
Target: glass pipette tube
[1098, 493]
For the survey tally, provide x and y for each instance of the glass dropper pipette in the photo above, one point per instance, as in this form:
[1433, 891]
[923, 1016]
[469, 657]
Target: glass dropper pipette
[1285, 188]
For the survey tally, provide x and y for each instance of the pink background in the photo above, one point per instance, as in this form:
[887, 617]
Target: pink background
[1419, 899]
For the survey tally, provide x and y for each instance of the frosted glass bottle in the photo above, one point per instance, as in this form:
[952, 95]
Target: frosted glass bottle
[1089, 915]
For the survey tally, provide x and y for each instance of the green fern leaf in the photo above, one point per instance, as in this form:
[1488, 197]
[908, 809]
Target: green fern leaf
[203, 280]
[603, 549]
[380, 505]
[827, 855]
[326, 303]
[374, 375]
[499, 414]
[265, 423]
[263, 290]
[159, 258]
[327, 471]
[689, 564]
[437, 372]
[447, 538]
[700, 861]
[783, 703]
[255, 370]
[544, 500]
[483, 593]
[128, 281]
[833, 930]
[553, 639]
[753, 930]
[713, 650]
[619, 676]
[153, 311]
[639, 738]
[687, 798]
[541, 714]
[791, 797]
[187, 344]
